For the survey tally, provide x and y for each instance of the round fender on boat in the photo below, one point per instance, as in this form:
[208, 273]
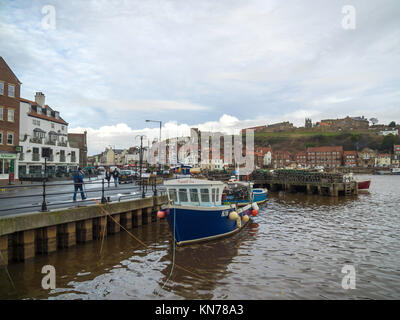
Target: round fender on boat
[233, 215]
[254, 212]
[245, 218]
[160, 214]
[255, 206]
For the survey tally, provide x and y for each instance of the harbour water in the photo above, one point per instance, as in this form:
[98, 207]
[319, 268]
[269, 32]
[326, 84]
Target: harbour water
[294, 249]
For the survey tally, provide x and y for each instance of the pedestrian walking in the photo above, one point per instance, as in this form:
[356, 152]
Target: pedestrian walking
[108, 176]
[115, 176]
[78, 181]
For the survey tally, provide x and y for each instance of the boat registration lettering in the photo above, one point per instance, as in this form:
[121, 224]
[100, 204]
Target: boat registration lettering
[225, 213]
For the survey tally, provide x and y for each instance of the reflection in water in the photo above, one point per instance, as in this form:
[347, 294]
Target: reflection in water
[294, 249]
[210, 261]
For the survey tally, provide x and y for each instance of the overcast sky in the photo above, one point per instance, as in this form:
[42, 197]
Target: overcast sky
[107, 66]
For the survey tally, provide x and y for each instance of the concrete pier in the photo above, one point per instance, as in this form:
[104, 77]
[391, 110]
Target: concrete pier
[22, 236]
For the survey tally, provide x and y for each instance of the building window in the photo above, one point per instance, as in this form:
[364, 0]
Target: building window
[36, 122]
[52, 125]
[1, 113]
[10, 138]
[10, 115]
[1, 137]
[1, 88]
[11, 90]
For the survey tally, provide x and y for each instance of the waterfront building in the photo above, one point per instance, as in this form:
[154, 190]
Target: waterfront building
[43, 133]
[366, 158]
[327, 157]
[79, 140]
[350, 158]
[264, 156]
[281, 159]
[9, 123]
[301, 158]
[383, 160]
[396, 156]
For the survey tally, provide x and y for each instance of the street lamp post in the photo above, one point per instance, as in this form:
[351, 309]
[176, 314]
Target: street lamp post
[141, 162]
[159, 141]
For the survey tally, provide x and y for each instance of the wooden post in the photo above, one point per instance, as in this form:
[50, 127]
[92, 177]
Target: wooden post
[25, 245]
[126, 220]
[46, 239]
[3, 250]
[84, 230]
[112, 226]
[309, 189]
[147, 215]
[137, 218]
[66, 234]
[98, 227]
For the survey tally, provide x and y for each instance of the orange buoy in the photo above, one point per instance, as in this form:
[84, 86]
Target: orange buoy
[160, 214]
[254, 212]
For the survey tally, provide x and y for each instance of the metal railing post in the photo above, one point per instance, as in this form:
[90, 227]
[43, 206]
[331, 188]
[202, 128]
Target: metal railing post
[44, 204]
[143, 193]
[103, 199]
[155, 187]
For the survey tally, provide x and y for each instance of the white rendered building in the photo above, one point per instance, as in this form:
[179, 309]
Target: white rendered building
[43, 130]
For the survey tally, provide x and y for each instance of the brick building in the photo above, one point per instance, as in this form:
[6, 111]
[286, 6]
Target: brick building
[327, 157]
[396, 156]
[301, 158]
[281, 159]
[350, 158]
[9, 123]
[79, 140]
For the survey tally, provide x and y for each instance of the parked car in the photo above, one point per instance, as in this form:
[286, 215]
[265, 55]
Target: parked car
[126, 176]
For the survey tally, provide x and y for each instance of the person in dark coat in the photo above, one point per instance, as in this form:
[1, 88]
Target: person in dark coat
[108, 176]
[115, 176]
[78, 181]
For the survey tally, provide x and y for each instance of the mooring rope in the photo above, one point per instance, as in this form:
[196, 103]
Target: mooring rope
[146, 246]
[173, 254]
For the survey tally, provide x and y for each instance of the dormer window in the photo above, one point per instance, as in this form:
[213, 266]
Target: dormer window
[39, 109]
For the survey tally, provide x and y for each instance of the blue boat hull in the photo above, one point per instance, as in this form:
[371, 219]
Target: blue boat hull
[196, 224]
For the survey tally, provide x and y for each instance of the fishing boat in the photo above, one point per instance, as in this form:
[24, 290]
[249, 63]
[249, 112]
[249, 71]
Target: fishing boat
[242, 193]
[195, 211]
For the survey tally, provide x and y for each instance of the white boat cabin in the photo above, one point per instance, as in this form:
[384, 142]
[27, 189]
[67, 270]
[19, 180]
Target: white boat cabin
[195, 192]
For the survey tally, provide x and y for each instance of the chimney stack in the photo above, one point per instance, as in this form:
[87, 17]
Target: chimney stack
[40, 98]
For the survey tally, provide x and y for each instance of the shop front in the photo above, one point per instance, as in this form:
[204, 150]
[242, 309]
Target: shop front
[8, 167]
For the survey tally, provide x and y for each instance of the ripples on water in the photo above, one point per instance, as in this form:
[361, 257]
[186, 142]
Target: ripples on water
[294, 249]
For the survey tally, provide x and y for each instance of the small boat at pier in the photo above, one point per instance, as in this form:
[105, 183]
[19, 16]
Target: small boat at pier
[363, 185]
[195, 211]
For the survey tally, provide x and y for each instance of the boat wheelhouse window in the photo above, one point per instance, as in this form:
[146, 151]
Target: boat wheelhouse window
[205, 195]
[183, 195]
[217, 195]
[213, 195]
[172, 195]
[194, 195]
